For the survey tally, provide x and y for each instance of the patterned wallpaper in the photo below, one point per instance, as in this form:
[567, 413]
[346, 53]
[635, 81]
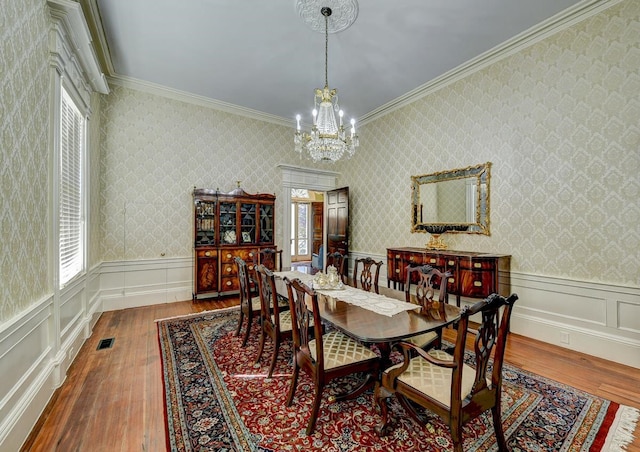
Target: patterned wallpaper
[24, 112]
[94, 232]
[560, 123]
[155, 150]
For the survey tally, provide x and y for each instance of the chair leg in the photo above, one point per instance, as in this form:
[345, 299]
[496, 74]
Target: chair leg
[248, 330]
[456, 436]
[274, 356]
[260, 345]
[381, 396]
[294, 382]
[497, 426]
[240, 320]
[317, 398]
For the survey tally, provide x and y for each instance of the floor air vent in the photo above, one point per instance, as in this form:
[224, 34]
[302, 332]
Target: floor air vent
[105, 343]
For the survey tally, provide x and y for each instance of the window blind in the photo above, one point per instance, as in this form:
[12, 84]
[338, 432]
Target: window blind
[71, 250]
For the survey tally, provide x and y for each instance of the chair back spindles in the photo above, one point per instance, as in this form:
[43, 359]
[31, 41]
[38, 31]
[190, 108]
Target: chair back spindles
[369, 274]
[304, 319]
[271, 258]
[426, 280]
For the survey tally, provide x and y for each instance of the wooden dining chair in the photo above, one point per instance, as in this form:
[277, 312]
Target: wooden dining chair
[271, 258]
[420, 288]
[323, 356]
[369, 274]
[444, 384]
[276, 323]
[339, 261]
[249, 300]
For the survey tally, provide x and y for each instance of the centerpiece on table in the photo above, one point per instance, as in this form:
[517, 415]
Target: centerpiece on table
[330, 280]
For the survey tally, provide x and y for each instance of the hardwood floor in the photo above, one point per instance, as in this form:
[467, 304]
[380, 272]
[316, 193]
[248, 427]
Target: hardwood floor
[112, 398]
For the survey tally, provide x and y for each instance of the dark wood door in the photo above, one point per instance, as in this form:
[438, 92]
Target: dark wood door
[317, 211]
[338, 221]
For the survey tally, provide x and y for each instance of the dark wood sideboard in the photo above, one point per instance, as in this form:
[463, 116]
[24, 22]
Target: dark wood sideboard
[475, 275]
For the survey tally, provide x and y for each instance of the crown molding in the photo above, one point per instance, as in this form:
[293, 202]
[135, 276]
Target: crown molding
[70, 15]
[94, 23]
[160, 90]
[551, 26]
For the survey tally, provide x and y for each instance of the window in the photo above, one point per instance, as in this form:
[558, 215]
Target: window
[70, 194]
[300, 231]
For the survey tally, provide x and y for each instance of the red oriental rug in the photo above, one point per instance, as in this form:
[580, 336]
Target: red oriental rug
[218, 399]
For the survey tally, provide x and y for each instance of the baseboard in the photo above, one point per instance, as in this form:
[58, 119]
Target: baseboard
[142, 297]
[606, 346]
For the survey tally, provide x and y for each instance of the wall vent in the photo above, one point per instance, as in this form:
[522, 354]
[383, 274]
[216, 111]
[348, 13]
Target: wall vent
[106, 343]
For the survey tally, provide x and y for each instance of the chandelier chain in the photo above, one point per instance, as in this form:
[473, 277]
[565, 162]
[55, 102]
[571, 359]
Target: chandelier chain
[326, 50]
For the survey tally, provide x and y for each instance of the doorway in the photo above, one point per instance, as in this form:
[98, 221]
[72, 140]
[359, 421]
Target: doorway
[300, 229]
[298, 177]
[307, 225]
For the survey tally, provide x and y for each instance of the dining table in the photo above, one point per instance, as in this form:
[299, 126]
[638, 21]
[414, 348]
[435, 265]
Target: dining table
[381, 319]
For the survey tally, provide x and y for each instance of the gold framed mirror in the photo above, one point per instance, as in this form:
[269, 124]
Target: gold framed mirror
[452, 201]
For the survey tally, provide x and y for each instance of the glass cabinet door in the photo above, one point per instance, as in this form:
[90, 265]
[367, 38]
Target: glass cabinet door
[228, 221]
[248, 223]
[266, 223]
[205, 223]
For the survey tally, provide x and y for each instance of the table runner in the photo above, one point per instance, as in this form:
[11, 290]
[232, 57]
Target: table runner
[371, 301]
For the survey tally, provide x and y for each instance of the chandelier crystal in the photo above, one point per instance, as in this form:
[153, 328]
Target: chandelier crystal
[328, 139]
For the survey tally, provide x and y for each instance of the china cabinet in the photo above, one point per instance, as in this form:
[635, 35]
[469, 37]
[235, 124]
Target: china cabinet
[475, 274]
[227, 225]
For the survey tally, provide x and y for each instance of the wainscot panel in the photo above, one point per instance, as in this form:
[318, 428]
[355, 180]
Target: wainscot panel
[72, 310]
[127, 284]
[28, 380]
[583, 316]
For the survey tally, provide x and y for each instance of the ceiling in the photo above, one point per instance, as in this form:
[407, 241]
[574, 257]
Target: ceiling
[260, 55]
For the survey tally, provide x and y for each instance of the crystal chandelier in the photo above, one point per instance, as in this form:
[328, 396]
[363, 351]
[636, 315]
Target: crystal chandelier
[328, 140]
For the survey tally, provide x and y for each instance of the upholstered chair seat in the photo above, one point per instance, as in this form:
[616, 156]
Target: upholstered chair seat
[340, 350]
[285, 321]
[255, 303]
[435, 381]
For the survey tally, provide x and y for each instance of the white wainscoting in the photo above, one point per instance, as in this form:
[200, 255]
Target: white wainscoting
[597, 319]
[128, 284]
[26, 360]
[37, 347]
[36, 350]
